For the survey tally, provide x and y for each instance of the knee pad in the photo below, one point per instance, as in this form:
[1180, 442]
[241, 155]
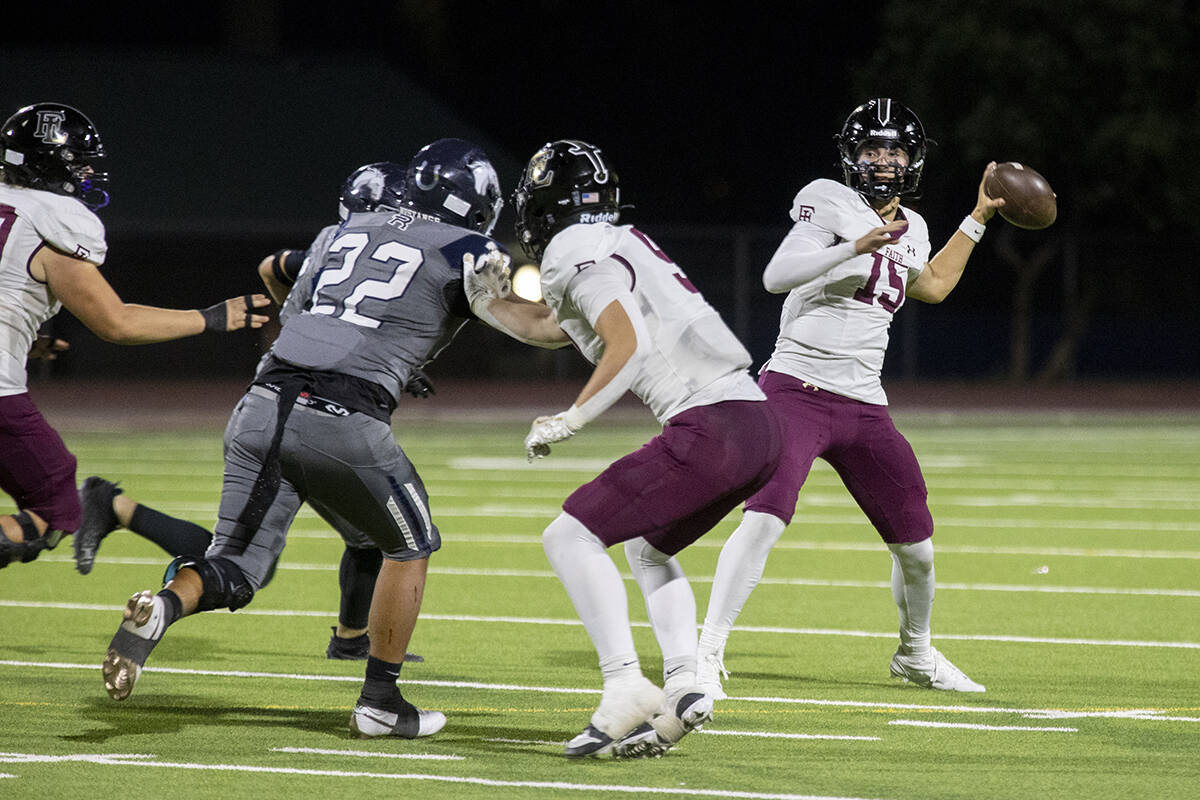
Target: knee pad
[914, 557]
[641, 552]
[225, 585]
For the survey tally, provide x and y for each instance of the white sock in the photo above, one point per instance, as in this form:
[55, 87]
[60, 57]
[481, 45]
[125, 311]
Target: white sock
[912, 589]
[595, 587]
[739, 568]
[670, 604]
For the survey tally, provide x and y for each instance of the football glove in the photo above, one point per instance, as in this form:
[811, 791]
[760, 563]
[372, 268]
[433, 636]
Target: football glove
[547, 430]
[419, 385]
[486, 277]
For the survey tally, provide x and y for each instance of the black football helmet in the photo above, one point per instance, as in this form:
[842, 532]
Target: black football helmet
[882, 121]
[565, 182]
[453, 181]
[52, 146]
[372, 187]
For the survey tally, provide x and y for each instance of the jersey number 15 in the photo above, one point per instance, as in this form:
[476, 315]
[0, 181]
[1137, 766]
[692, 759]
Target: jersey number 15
[867, 293]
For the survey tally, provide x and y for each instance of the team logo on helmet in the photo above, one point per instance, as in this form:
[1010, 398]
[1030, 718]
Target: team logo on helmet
[49, 126]
[538, 173]
[592, 154]
[485, 176]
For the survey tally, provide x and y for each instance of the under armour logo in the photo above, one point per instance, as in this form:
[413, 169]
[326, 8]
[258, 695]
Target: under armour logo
[49, 126]
[804, 214]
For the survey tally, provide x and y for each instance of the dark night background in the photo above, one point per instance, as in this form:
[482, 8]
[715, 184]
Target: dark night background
[231, 125]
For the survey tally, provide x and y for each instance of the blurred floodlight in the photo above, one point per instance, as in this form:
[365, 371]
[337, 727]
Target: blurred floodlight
[527, 282]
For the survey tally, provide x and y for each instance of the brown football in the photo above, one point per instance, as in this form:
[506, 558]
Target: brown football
[1029, 202]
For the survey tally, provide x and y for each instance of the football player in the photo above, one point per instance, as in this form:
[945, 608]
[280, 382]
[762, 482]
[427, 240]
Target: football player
[635, 315]
[852, 258]
[106, 508]
[51, 247]
[383, 294]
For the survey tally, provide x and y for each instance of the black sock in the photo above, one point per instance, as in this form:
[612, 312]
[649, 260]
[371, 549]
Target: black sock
[379, 688]
[178, 537]
[172, 606]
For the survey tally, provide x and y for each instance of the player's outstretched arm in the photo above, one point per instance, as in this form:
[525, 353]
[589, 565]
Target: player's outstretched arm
[944, 270]
[488, 285]
[524, 320]
[86, 294]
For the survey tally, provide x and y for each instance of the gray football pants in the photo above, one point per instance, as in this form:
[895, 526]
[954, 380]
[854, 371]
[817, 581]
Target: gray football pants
[349, 469]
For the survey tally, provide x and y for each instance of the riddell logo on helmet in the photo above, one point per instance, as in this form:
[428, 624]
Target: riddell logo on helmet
[49, 126]
[885, 133]
[599, 216]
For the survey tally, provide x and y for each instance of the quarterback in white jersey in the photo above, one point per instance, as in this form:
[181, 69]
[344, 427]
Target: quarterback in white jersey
[51, 246]
[633, 313]
[833, 330]
[852, 257]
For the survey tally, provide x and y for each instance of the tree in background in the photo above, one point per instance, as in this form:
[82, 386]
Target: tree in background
[1094, 94]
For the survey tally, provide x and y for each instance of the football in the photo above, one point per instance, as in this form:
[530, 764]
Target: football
[1029, 202]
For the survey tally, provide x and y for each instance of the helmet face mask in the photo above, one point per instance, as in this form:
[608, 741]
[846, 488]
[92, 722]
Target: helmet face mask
[882, 125]
[372, 187]
[565, 182]
[52, 147]
[452, 180]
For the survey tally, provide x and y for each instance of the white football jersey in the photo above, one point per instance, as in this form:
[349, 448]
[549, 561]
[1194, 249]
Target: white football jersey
[29, 220]
[692, 358]
[833, 330]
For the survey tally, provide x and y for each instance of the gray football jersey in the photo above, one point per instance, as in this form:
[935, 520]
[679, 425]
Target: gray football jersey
[378, 295]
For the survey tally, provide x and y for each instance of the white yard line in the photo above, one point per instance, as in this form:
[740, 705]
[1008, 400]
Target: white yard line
[562, 621]
[1136, 714]
[546, 574]
[967, 726]
[769, 735]
[106, 760]
[321, 751]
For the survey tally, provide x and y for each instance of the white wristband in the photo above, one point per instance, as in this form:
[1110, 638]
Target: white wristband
[971, 229]
[574, 417]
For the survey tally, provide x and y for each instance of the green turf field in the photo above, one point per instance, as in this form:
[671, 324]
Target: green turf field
[1068, 559]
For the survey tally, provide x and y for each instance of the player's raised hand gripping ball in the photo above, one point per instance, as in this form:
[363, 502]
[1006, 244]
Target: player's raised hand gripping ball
[486, 277]
[1029, 202]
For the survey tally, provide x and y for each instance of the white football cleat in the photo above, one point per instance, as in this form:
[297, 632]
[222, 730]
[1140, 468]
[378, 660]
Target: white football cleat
[932, 671]
[624, 705]
[710, 669]
[142, 627]
[685, 708]
[367, 722]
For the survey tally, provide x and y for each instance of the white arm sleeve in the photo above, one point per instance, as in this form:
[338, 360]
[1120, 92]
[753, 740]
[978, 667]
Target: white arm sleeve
[802, 256]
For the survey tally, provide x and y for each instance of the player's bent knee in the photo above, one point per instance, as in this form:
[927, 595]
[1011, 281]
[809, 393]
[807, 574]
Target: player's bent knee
[224, 583]
[640, 551]
[364, 559]
[564, 529]
[914, 557]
